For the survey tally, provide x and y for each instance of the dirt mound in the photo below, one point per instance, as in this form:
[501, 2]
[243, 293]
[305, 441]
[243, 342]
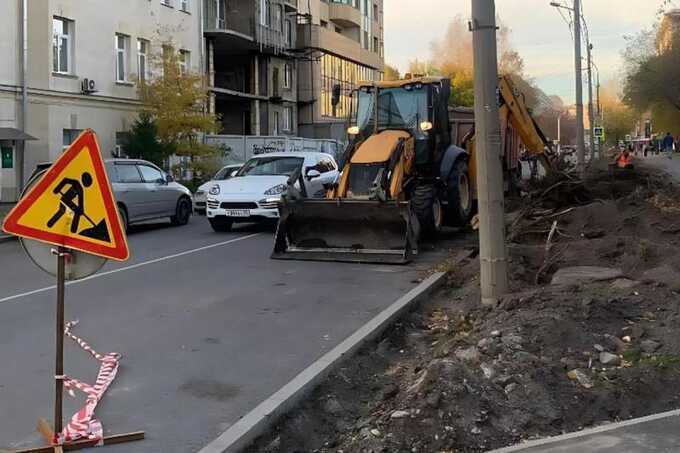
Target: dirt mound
[455, 376]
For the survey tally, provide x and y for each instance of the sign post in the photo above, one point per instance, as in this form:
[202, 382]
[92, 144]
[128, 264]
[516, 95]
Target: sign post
[59, 362]
[72, 212]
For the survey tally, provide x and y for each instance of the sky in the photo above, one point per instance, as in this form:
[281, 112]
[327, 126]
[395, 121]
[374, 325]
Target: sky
[539, 33]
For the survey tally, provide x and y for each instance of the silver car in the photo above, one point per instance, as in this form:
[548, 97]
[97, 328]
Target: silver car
[145, 192]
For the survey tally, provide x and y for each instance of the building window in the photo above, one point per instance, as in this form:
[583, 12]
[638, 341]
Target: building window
[62, 45]
[375, 11]
[166, 3]
[184, 61]
[122, 57]
[287, 76]
[346, 74]
[69, 136]
[288, 32]
[119, 144]
[275, 131]
[287, 119]
[184, 5]
[376, 46]
[142, 59]
[265, 12]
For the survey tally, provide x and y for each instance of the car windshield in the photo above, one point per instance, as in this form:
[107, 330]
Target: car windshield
[275, 165]
[224, 173]
[398, 108]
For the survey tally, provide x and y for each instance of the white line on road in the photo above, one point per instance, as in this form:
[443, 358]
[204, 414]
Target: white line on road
[133, 266]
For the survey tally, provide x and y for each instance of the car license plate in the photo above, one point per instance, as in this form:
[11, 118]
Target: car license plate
[237, 212]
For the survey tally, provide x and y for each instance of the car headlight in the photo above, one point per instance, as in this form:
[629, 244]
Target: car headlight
[215, 190]
[276, 190]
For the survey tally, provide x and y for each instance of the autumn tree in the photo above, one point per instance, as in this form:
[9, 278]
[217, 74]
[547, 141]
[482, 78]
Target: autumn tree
[619, 118]
[391, 73]
[175, 100]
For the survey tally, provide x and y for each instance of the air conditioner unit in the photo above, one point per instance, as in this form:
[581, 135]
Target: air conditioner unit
[88, 86]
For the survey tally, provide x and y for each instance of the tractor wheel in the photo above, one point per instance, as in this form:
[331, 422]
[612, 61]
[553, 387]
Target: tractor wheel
[428, 209]
[459, 192]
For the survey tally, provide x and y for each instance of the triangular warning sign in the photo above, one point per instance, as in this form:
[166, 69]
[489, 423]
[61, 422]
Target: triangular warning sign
[72, 205]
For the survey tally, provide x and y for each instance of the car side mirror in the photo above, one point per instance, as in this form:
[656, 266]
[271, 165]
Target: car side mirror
[311, 174]
[169, 178]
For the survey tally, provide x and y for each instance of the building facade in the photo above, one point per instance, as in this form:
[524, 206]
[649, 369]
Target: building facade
[273, 68]
[82, 61]
[251, 68]
[668, 31]
[339, 43]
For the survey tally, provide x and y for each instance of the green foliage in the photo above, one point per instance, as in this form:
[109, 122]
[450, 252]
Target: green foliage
[391, 73]
[142, 143]
[176, 103]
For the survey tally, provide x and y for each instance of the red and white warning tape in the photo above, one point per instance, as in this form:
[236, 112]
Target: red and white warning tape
[83, 425]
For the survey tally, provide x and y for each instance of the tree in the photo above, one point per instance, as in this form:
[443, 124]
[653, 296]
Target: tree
[619, 118]
[176, 102]
[391, 73]
[142, 142]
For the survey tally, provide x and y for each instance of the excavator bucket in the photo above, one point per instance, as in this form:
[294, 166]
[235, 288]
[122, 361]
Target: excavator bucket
[358, 231]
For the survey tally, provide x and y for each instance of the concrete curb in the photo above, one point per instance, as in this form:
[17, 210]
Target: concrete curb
[258, 421]
[586, 432]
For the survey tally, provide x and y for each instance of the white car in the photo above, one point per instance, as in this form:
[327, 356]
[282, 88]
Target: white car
[253, 194]
[201, 195]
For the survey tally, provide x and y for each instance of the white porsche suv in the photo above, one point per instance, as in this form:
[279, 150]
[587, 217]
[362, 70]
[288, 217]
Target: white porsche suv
[253, 194]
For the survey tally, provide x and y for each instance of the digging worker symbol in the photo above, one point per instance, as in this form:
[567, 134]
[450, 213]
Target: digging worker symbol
[72, 198]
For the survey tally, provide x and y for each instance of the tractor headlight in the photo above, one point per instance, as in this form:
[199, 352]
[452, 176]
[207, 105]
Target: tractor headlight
[354, 130]
[215, 190]
[276, 190]
[425, 126]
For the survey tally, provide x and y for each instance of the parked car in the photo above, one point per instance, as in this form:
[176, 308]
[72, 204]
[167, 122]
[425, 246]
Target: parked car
[253, 194]
[201, 195]
[145, 192]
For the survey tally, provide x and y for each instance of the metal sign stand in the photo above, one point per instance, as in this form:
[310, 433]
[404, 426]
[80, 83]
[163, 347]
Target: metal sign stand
[63, 254]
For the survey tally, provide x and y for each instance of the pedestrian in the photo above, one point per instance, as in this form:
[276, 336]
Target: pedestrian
[667, 145]
[646, 150]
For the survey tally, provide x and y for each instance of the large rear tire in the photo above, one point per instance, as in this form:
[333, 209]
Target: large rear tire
[459, 192]
[428, 210]
[221, 224]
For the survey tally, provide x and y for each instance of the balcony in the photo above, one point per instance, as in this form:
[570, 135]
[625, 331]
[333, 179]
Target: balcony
[344, 15]
[238, 25]
[332, 42]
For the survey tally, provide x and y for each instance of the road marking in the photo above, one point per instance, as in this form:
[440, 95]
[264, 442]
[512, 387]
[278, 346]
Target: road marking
[132, 266]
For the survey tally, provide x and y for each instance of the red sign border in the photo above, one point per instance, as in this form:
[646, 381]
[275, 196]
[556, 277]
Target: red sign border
[86, 139]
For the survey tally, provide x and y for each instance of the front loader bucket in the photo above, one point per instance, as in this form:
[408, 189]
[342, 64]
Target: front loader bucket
[346, 230]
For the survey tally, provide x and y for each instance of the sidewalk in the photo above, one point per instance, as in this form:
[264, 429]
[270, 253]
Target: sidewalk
[658, 433]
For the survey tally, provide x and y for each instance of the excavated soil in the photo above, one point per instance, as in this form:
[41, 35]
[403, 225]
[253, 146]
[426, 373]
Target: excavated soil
[454, 376]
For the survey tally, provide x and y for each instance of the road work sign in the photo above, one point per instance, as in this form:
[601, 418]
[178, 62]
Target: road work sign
[72, 205]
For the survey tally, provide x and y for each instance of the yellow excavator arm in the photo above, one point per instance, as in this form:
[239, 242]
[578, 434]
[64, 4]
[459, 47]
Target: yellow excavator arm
[514, 109]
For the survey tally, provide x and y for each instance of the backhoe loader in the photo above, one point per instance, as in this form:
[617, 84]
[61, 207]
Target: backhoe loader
[403, 177]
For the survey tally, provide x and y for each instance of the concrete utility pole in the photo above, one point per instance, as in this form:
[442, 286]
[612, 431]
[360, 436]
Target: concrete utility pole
[580, 138]
[492, 250]
[591, 115]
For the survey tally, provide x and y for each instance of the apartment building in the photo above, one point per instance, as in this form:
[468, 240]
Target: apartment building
[340, 42]
[82, 60]
[251, 65]
[668, 30]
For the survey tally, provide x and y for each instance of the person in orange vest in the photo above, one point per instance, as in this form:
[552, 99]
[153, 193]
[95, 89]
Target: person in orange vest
[625, 160]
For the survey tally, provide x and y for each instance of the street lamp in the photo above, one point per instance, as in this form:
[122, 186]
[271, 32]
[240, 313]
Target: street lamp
[580, 138]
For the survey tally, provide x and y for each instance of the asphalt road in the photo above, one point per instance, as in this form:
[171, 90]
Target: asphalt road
[207, 324]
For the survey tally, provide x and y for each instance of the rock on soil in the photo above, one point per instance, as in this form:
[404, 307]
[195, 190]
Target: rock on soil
[584, 274]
